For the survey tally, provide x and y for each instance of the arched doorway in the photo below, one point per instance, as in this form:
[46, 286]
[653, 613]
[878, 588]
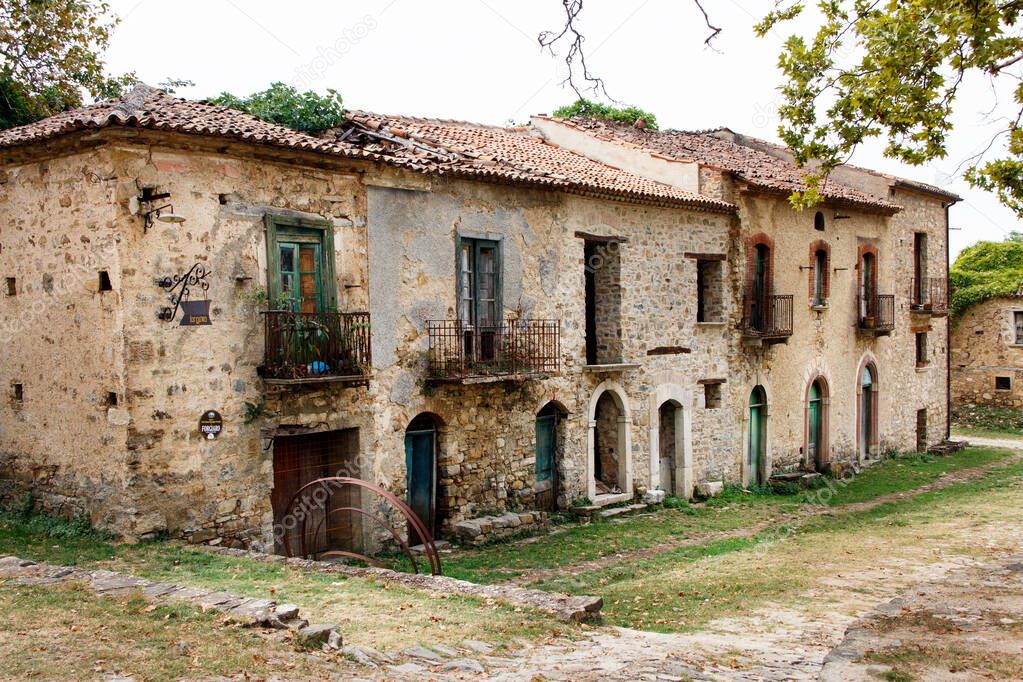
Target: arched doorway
[421, 469]
[757, 446]
[670, 444]
[817, 424]
[550, 444]
[868, 410]
[609, 444]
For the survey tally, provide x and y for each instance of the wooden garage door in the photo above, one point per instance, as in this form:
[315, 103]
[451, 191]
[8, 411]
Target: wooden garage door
[299, 460]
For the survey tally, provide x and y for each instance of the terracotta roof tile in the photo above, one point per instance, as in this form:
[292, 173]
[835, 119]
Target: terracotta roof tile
[487, 153]
[758, 168]
[516, 154]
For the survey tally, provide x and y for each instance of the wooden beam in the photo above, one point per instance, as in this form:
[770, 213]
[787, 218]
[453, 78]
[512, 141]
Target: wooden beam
[603, 239]
[705, 256]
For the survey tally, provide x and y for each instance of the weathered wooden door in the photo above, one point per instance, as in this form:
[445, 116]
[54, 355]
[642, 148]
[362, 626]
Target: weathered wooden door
[866, 411]
[921, 430]
[868, 289]
[813, 436]
[546, 462]
[421, 473]
[300, 460]
[757, 435]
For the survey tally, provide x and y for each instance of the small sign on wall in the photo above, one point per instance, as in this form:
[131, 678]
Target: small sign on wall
[195, 313]
[211, 424]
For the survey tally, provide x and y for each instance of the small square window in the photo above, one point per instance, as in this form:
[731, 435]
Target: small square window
[1017, 318]
[921, 349]
[712, 396]
[104, 281]
[1003, 384]
[18, 393]
[12, 286]
[110, 400]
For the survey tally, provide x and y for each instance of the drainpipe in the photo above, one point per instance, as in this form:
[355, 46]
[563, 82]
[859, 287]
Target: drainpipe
[948, 325]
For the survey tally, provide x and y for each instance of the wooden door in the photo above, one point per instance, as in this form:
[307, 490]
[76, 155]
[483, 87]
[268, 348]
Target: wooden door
[421, 475]
[813, 436]
[546, 462]
[757, 436]
[866, 412]
[300, 460]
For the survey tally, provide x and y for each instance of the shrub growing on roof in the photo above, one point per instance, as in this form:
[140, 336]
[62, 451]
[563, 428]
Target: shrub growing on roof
[986, 270]
[587, 109]
[308, 112]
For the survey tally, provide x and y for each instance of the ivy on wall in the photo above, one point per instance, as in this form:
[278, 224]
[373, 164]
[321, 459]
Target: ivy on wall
[987, 270]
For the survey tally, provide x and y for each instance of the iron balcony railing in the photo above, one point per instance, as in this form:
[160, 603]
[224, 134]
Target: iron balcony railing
[877, 312]
[767, 317]
[929, 294]
[316, 346]
[524, 348]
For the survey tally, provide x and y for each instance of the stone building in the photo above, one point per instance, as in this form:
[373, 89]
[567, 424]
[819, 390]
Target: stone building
[987, 353]
[476, 318]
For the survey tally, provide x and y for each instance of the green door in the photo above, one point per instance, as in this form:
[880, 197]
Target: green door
[421, 468]
[757, 435]
[546, 467]
[866, 411]
[813, 436]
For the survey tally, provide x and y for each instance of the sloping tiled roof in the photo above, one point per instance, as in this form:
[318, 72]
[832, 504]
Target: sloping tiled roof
[757, 168]
[482, 152]
[147, 107]
[513, 154]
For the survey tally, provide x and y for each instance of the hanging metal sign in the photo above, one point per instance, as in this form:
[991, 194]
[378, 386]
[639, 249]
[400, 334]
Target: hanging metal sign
[195, 313]
[211, 424]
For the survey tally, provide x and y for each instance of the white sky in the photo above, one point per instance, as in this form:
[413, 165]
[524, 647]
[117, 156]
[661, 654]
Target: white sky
[479, 60]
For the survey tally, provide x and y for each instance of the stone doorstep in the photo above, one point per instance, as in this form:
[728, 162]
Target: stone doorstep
[565, 607]
[618, 511]
[248, 611]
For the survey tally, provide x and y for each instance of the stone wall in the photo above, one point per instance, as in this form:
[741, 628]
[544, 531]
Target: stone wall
[984, 348]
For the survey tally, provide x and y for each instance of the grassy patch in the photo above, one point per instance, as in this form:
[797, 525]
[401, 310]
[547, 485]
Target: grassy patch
[922, 661]
[981, 420]
[126, 636]
[683, 589]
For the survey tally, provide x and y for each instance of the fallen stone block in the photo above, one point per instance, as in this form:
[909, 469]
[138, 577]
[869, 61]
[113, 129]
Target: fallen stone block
[318, 636]
[466, 665]
[654, 497]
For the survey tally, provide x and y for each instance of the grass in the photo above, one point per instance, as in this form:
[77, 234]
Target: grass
[371, 613]
[984, 421]
[128, 637]
[735, 509]
[684, 589]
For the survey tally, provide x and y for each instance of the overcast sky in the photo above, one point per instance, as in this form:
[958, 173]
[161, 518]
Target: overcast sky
[479, 60]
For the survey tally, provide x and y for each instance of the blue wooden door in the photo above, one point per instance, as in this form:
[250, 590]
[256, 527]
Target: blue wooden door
[421, 468]
[546, 466]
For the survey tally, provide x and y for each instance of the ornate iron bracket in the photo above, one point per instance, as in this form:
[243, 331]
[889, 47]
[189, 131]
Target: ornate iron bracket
[196, 276]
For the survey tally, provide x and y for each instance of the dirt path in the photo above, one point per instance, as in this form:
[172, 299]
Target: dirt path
[953, 478]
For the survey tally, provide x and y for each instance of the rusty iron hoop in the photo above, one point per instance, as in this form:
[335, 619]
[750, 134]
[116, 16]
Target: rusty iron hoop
[429, 548]
[394, 533]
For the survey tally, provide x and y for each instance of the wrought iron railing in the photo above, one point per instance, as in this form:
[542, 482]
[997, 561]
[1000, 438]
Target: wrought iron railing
[315, 346]
[461, 351]
[767, 317]
[877, 312]
[929, 294]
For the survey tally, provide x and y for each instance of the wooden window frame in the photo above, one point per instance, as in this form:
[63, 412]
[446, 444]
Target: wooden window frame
[815, 248]
[280, 225]
[478, 241]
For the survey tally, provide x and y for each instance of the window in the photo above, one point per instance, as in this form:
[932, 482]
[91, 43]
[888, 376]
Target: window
[818, 222]
[820, 278]
[18, 393]
[921, 349]
[104, 281]
[479, 277]
[1017, 318]
[709, 303]
[12, 286]
[110, 400]
[602, 270]
[1003, 384]
[301, 265]
[921, 290]
[712, 396]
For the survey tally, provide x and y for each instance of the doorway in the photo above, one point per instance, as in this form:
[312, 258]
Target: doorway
[670, 431]
[921, 430]
[421, 471]
[757, 436]
[760, 286]
[607, 456]
[816, 425]
[299, 460]
[549, 447]
[868, 406]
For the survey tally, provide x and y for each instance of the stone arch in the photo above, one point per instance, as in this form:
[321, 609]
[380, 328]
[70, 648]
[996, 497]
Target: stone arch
[672, 394]
[817, 461]
[867, 414]
[622, 439]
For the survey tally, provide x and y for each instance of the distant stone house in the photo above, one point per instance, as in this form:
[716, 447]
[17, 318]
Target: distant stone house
[475, 318]
[987, 353]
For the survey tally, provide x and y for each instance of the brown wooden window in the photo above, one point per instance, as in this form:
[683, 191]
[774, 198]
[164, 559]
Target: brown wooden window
[820, 273]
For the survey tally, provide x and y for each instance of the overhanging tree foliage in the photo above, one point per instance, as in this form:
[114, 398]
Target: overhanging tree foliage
[587, 109]
[282, 104]
[51, 56]
[986, 270]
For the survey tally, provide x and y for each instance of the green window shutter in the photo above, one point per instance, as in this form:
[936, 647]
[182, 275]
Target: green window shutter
[287, 232]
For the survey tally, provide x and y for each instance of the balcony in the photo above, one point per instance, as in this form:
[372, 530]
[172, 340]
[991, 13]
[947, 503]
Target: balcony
[929, 296]
[876, 314]
[511, 351]
[766, 319]
[307, 348]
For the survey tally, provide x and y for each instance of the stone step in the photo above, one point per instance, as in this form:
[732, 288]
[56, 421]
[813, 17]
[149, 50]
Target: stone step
[618, 511]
